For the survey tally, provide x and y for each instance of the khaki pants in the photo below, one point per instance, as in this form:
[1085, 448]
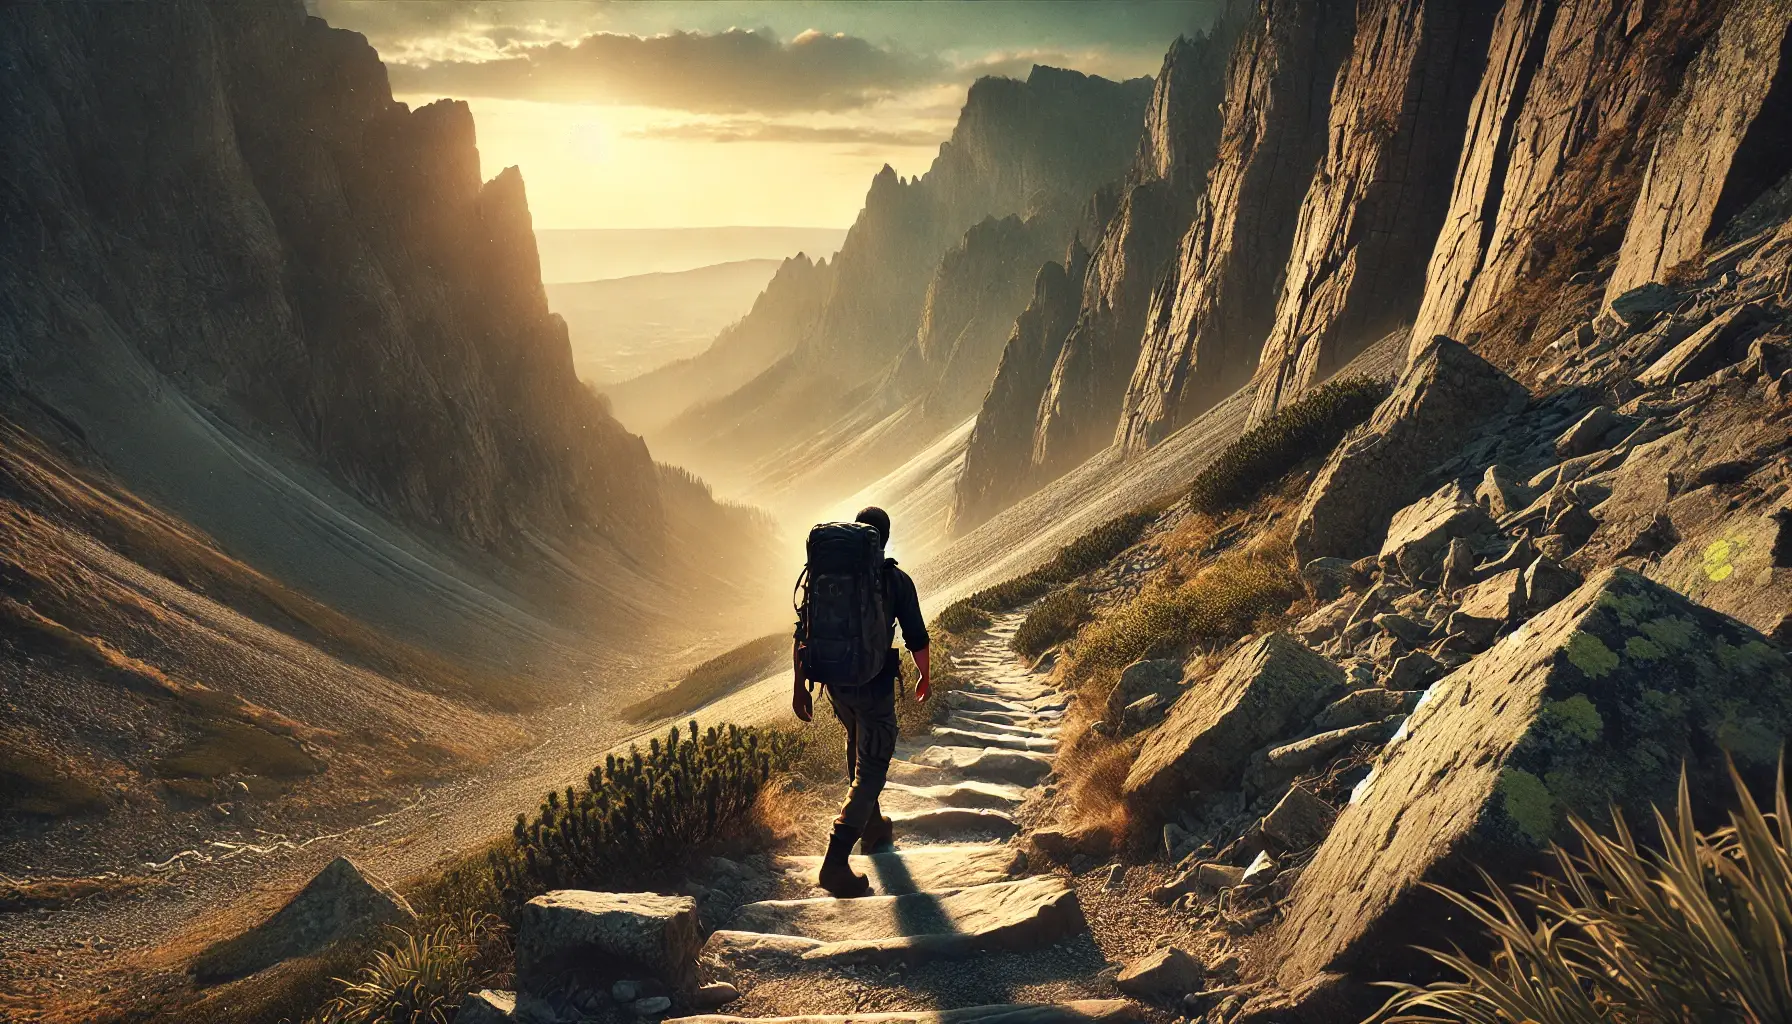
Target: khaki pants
[869, 714]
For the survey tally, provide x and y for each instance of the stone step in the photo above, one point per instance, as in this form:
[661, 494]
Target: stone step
[1025, 698]
[897, 872]
[1027, 913]
[965, 700]
[1086, 1011]
[953, 823]
[1016, 767]
[968, 738]
[989, 724]
[995, 796]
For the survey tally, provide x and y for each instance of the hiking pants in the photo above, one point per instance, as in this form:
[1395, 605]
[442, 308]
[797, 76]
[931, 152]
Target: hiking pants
[869, 714]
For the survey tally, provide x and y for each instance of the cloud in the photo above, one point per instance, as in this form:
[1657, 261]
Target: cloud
[721, 72]
[775, 131]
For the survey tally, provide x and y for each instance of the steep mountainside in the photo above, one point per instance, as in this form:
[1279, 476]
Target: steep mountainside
[1208, 326]
[1398, 113]
[1032, 150]
[1035, 425]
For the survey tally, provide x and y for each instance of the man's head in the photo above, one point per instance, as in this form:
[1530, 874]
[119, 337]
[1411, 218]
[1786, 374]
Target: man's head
[877, 519]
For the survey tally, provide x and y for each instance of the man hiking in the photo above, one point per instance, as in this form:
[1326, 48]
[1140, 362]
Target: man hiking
[845, 631]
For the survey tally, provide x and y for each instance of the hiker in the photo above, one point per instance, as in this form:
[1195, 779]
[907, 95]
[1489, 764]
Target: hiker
[845, 635]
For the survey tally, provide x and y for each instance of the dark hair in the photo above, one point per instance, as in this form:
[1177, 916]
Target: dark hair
[877, 519]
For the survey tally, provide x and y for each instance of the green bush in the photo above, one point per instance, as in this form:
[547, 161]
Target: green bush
[421, 977]
[1697, 930]
[747, 663]
[1053, 620]
[643, 813]
[1085, 554]
[1221, 603]
[1308, 428]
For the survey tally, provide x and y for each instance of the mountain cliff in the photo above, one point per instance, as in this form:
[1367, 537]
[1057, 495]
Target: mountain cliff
[1208, 326]
[1030, 150]
[1071, 407]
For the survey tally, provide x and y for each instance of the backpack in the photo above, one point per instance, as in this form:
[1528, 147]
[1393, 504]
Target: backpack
[844, 612]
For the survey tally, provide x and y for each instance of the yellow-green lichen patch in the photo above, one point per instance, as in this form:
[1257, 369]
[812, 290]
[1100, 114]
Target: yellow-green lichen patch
[1589, 654]
[1749, 657]
[1672, 632]
[1745, 736]
[1527, 801]
[1643, 649]
[1576, 717]
[1631, 607]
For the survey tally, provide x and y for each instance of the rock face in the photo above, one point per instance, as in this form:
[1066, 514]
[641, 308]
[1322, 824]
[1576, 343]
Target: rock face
[1598, 701]
[1357, 268]
[1442, 400]
[1551, 162]
[607, 932]
[338, 903]
[1033, 149]
[1273, 684]
[1057, 393]
[1208, 322]
[232, 192]
[1727, 140]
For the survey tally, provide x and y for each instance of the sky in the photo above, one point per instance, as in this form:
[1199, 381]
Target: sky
[702, 114]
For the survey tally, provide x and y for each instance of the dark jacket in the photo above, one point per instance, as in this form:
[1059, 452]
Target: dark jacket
[905, 608]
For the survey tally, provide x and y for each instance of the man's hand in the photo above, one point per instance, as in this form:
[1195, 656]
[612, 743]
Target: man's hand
[924, 688]
[801, 701]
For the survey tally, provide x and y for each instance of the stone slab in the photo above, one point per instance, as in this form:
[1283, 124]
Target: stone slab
[927, 868]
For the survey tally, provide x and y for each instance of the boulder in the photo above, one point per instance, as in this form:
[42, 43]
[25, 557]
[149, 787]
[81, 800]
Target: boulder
[1447, 395]
[1273, 684]
[1420, 532]
[712, 995]
[1636, 307]
[1413, 671]
[1574, 522]
[1162, 973]
[1546, 582]
[1599, 700]
[1499, 598]
[1408, 631]
[1585, 434]
[609, 932]
[1710, 348]
[1308, 751]
[1327, 579]
[1299, 820]
[1369, 705]
[1143, 713]
[487, 1006]
[1520, 554]
[1213, 875]
[1161, 676]
[339, 903]
[1261, 870]
[1501, 492]
[1458, 566]
[651, 1006]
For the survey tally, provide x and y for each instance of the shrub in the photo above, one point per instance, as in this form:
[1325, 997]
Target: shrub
[422, 976]
[1695, 931]
[1222, 602]
[1309, 427]
[642, 813]
[1053, 620]
[1085, 554]
[746, 663]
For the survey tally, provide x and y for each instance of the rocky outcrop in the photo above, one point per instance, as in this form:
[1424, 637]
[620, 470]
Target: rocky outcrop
[338, 904]
[1569, 716]
[1035, 424]
[1446, 396]
[1272, 684]
[608, 934]
[1206, 329]
[232, 192]
[1728, 140]
[1571, 97]
[1003, 435]
[1357, 268]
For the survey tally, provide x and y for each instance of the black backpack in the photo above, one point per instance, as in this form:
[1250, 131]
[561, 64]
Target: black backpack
[844, 612]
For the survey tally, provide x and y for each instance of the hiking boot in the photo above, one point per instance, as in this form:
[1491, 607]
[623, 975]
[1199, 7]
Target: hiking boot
[880, 833]
[837, 875]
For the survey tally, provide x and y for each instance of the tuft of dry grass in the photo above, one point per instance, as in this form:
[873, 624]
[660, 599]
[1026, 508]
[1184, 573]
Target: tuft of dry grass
[225, 748]
[31, 783]
[1223, 601]
[55, 893]
[1698, 928]
[1055, 619]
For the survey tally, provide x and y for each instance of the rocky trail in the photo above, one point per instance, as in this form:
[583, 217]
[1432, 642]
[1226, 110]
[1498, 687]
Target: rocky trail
[958, 918]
